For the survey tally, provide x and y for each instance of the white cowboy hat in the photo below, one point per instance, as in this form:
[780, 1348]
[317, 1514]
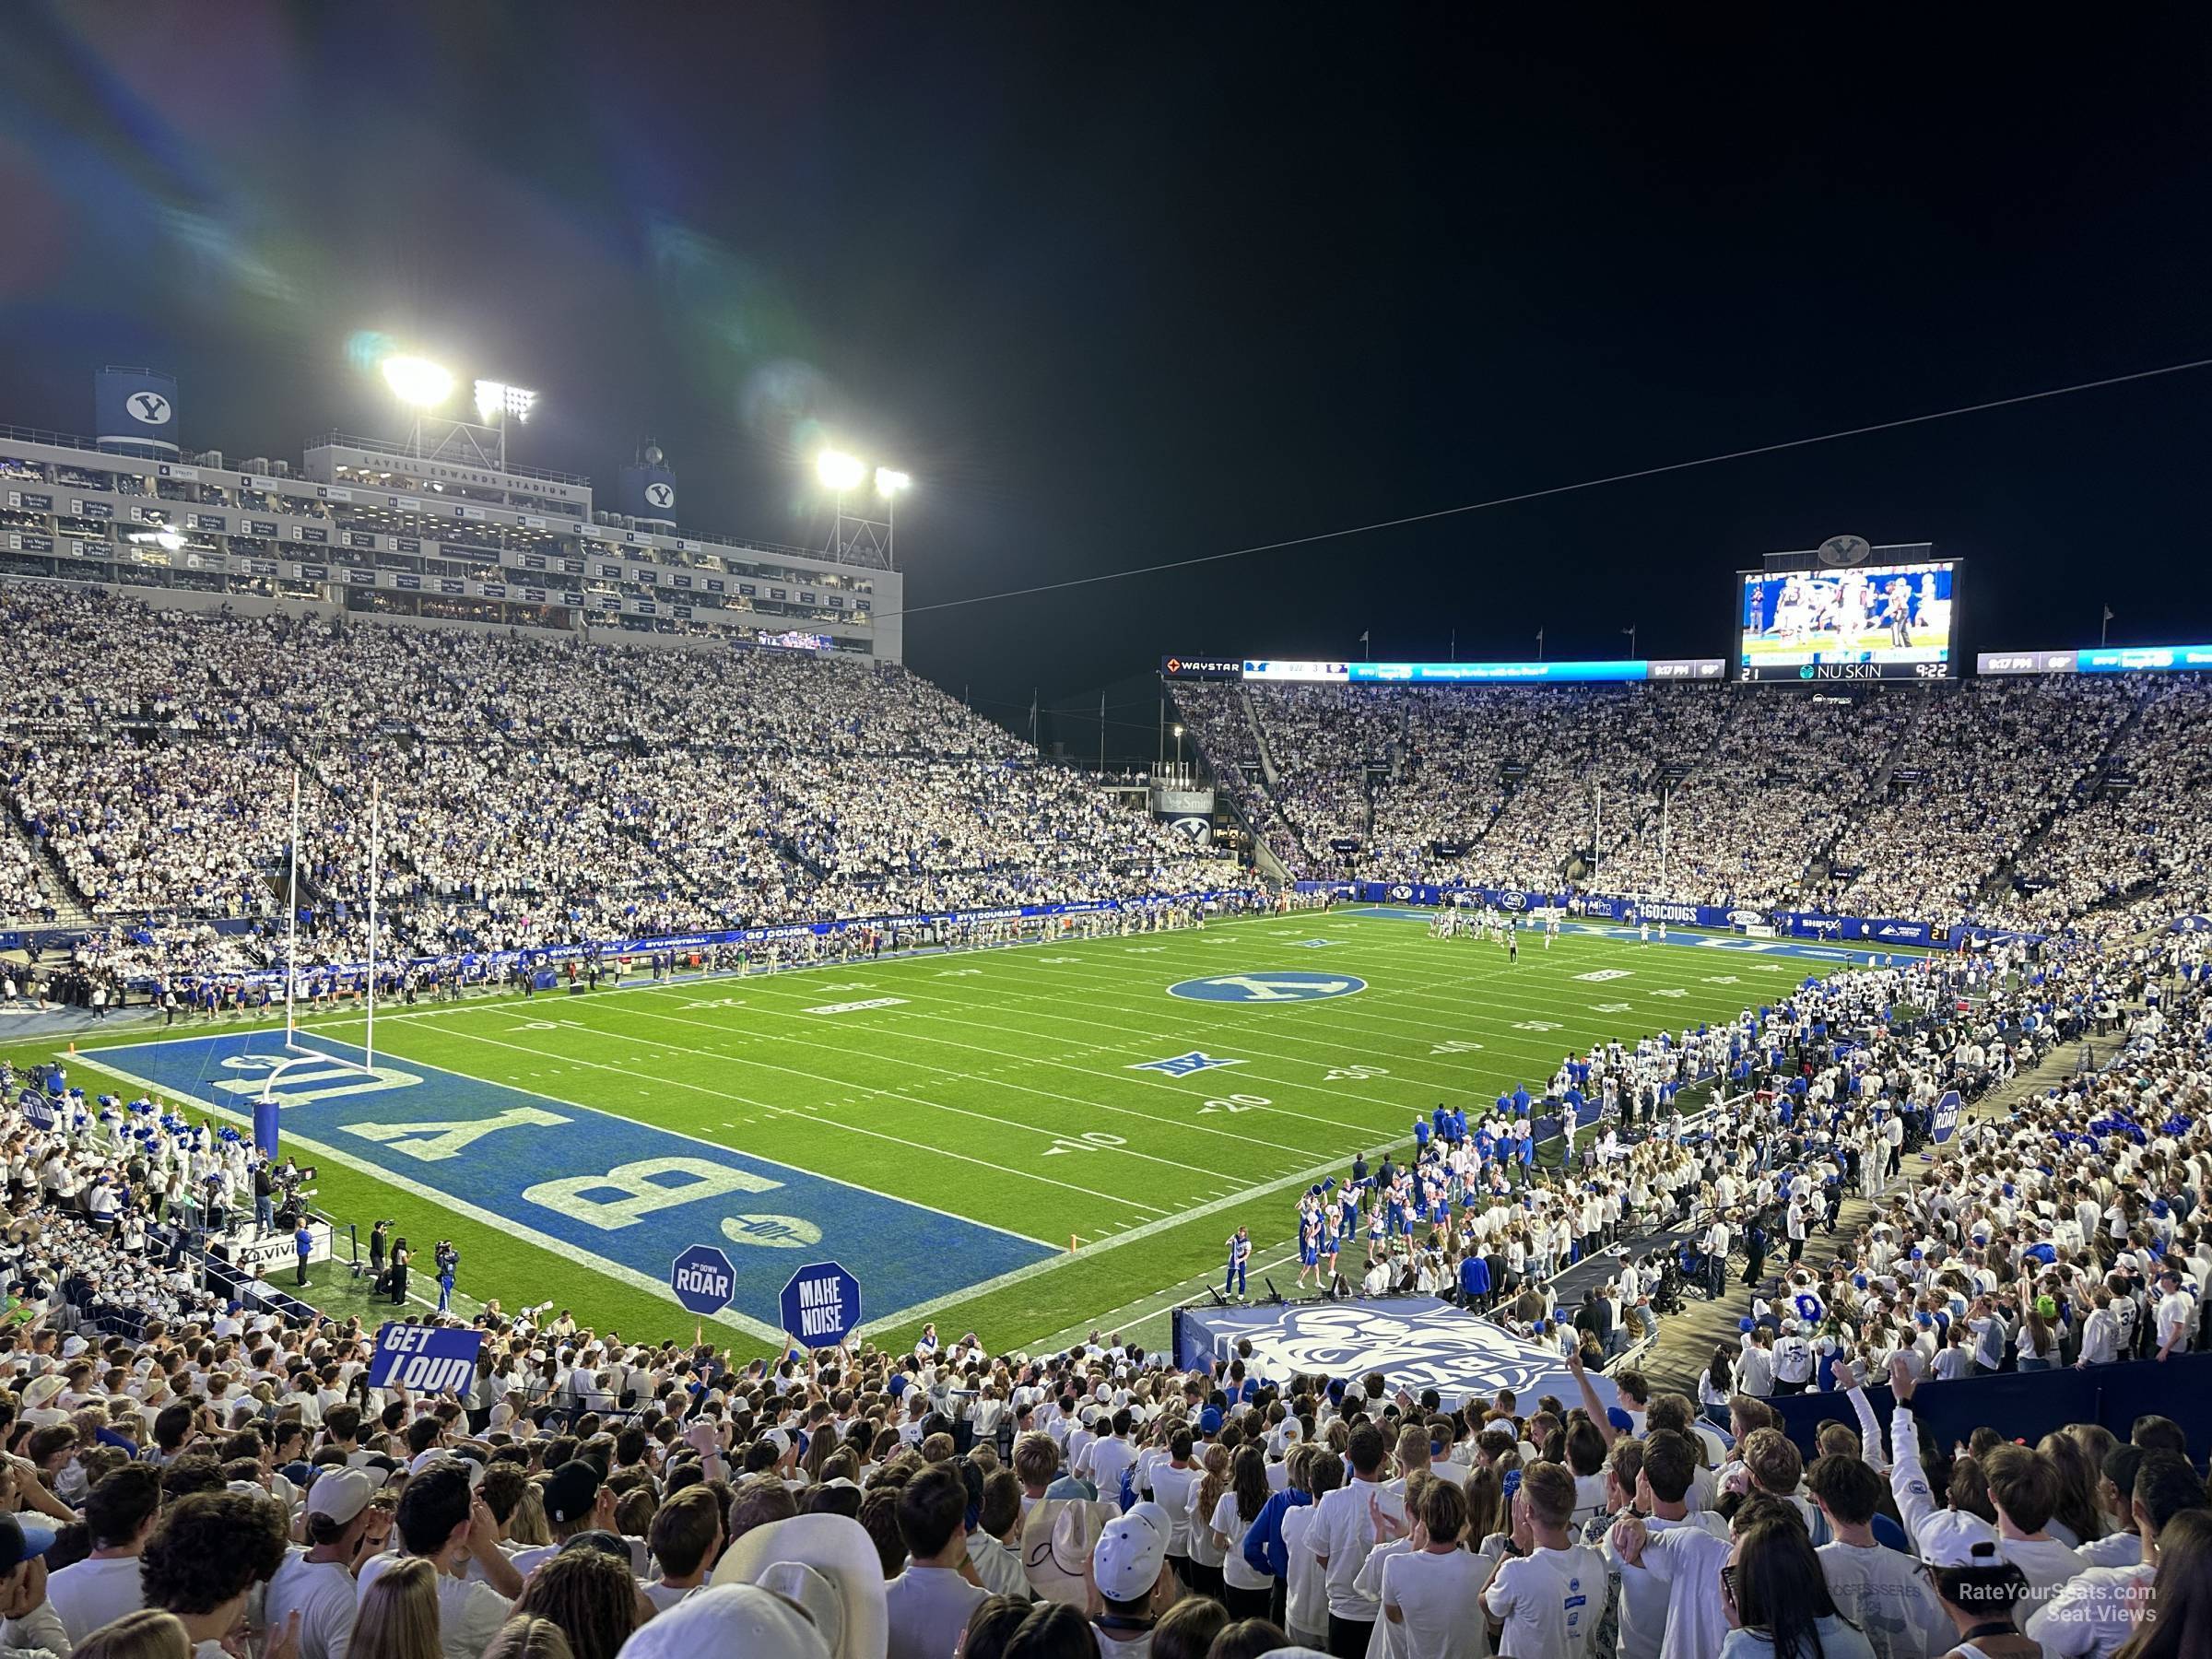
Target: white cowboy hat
[826, 1564]
[1057, 1538]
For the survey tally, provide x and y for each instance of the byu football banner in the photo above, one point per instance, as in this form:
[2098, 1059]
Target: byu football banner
[1416, 1341]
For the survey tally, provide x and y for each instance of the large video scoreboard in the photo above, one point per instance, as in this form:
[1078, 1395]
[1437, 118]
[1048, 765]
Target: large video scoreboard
[1823, 620]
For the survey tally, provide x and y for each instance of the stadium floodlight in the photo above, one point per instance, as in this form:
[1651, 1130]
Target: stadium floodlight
[890, 482]
[495, 398]
[169, 540]
[418, 381]
[839, 471]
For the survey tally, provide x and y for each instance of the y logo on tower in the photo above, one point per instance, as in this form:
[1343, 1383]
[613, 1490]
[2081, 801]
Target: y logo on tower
[148, 406]
[1278, 986]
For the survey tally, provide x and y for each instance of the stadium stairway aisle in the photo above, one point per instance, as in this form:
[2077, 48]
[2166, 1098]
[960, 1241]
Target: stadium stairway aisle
[1686, 1340]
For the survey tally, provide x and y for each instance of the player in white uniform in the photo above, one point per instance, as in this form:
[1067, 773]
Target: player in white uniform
[1792, 614]
[1850, 610]
[1899, 613]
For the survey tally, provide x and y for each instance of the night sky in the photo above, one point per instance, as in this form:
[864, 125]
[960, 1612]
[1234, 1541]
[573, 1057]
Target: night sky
[1120, 286]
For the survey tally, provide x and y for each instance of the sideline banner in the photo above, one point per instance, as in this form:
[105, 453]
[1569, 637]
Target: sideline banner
[1875, 931]
[544, 956]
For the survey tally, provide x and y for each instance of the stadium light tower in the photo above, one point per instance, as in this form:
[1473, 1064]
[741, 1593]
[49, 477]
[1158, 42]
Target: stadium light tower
[498, 403]
[865, 528]
[425, 387]
[417, 381]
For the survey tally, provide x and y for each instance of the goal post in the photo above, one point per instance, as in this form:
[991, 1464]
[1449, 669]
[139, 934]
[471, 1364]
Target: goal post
[300, 1044]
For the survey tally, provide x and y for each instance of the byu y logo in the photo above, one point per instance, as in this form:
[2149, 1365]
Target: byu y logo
[1281, 985]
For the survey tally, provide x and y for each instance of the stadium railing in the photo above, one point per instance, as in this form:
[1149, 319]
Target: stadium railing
[2028, 1405]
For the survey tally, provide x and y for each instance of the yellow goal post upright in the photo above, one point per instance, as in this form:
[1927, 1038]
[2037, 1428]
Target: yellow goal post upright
[300, 1046]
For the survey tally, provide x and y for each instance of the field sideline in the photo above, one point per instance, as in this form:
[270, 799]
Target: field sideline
[941, 1124]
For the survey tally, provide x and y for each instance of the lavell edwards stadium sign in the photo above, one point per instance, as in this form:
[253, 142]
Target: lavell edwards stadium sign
[1874, 931]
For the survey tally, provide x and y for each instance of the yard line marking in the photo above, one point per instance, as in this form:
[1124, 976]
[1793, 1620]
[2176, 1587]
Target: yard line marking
[930, 1309]
[857, 1129]
[1026, 1060]
[508, 1225]
[988, 1117]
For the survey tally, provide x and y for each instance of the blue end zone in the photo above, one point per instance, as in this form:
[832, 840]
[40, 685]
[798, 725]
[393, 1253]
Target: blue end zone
[621, 1197]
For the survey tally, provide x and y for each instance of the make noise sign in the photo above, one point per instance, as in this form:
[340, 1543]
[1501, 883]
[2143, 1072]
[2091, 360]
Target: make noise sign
[821, 1304]
[424, 1359]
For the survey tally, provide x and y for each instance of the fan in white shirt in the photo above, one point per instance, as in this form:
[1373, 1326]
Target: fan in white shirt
[1431, 1592]
[1545, 1599]
[2096, 1612]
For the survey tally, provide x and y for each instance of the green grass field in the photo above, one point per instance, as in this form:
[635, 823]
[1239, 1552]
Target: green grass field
[1003, 1087]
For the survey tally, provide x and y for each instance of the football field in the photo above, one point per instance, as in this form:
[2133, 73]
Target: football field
[1012, 1140]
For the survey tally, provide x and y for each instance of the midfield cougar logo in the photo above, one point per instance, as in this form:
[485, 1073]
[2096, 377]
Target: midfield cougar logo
[1447, 1353]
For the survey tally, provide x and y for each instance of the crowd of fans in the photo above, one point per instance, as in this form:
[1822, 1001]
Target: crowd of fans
[2143, 837]
[532, 794]
[2042, 805]
[1993, 759]
[174, 1457]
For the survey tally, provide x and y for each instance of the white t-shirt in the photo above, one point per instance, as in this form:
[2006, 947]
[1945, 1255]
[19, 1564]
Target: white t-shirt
[323, 1593]
[2177, 1320]
[1172, 1490]
[1110, 1459]
[1550, 1600]
[1882, 1591]
[469, 1614]
[1305, 1590]
[1236, 1572]
[664, 1597]
[1439, 1600]
[2093, 1613]
[1345, 1531]
[1688, 1559]
[92, 1594]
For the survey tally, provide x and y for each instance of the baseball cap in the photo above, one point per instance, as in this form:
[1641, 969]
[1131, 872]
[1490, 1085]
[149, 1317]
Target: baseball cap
[438, 1455]
[571, 1492]
[1126, 1560]
[341, 1494]
[1950, 1538]
[605, 1543]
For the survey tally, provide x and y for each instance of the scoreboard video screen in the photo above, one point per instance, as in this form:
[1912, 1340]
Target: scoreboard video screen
[1865, 622]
